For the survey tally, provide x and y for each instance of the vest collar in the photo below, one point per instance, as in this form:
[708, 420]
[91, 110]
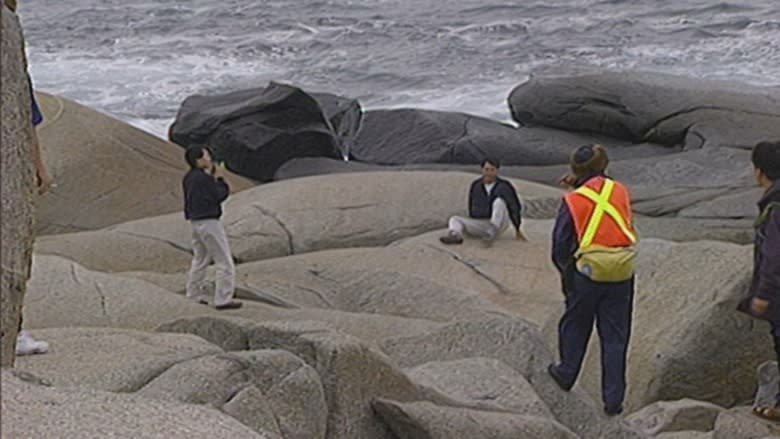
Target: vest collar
[582, 180]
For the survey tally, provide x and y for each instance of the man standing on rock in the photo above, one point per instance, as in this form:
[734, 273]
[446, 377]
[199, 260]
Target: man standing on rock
[593, 250]
[205, 189]
[763, 301]
[493, 204]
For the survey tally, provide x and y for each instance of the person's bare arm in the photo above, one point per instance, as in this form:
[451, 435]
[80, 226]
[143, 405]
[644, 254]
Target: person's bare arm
[42, 177]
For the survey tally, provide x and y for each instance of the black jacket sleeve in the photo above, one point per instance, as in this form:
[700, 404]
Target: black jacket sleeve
[473, 198]
[564, 243]
[768, 287]
[211, 190]
[221, 190]
[513, 204]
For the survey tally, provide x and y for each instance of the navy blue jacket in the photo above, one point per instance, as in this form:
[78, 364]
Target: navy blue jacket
[481, 204]
[37, 116]
[766, 262]
[203, 195]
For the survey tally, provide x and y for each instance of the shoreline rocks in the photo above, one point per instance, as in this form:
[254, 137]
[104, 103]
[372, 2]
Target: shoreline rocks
[412, 136]
[378, 330]
[257, 130]
[652, 107]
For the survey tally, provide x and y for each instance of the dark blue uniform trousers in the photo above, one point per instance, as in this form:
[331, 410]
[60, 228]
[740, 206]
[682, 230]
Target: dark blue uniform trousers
[611, 306]
[776, 338]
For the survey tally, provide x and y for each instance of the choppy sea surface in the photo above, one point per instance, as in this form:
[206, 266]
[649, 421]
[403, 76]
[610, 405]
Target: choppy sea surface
[138, 60]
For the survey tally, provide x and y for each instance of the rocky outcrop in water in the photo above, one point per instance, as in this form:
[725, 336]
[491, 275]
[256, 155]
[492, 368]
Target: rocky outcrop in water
[651, 107]
[257, 130]
[407, 136]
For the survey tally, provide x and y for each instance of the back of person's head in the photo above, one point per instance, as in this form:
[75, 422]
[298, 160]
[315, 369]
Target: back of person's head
[766, 158]
[195, 153]
[490, 161]
[588, 160]
[11, 5]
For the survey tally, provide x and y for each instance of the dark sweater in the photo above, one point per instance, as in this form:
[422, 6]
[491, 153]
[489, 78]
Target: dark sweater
[766, 268]
[203, 195]
[481, 204]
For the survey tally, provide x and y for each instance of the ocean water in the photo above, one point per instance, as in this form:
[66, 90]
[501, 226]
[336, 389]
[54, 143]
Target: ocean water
[139, 60]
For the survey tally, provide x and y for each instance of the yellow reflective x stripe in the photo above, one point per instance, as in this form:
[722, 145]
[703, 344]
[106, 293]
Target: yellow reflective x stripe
[602, 206]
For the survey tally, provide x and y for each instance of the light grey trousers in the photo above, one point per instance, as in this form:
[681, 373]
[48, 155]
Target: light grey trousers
[209, 241]
[498, 222]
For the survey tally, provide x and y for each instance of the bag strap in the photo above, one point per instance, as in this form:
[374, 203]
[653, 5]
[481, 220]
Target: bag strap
[764, 216]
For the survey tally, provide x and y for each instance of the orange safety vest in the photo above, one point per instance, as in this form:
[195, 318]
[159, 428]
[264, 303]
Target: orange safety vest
[601, 209]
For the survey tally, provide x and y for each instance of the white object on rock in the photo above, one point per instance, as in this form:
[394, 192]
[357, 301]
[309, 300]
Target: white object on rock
[27, 345]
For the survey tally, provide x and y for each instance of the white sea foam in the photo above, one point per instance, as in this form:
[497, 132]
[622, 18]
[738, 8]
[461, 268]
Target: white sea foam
[139, 63]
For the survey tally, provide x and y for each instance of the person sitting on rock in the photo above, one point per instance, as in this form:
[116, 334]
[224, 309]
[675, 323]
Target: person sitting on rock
[763, 300]
[493, 204]
[592, 248]
[205, 189]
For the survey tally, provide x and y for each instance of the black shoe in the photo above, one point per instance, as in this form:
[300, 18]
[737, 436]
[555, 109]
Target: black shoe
[553, 371]
[230, 305]
[613, 411]
[451, 238]
[202, 302]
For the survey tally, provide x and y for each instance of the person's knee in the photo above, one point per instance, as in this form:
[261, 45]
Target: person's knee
[199, 265]
[455, 223]
[500, 207]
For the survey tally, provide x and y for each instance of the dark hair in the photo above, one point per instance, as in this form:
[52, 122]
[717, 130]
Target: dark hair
[589, 160]
[766, 157]
[195, 153]
[490, 160]
[583, 154]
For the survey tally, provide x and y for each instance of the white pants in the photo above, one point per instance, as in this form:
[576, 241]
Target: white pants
[498, 222]
[209, 241]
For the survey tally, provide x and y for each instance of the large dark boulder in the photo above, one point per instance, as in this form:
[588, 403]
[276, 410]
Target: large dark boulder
[406, 136]
[345, 116]
[651, 107]
[257, 130]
